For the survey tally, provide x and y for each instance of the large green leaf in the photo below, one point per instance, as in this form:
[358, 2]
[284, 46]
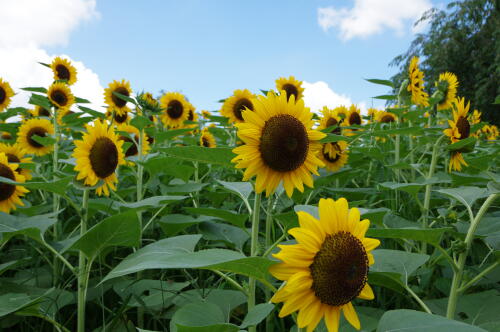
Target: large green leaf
[169, 166]
[59, 187]
[172, 224]
[155, 201]
[119, 230]
[465, 195]
[12, 302]
[33, 227]
[233, 237]
[201, 317]
[397, 261]
[215, 156]
[229, 216]
[417, 321]
[381, 82]
[242, 189]
[257, 314]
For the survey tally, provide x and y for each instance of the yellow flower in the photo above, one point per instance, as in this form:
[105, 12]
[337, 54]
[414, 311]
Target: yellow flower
[334, 155]
[207, 139]
[192, 116]
[291, 87]
[114, 102]
[63, 70]
[385, 117]
[118, 118]
[280, 144]
[327, 268]
[10, 194]
[206, 114]
[30, 128]
[134, 133]
[236, 104]
[60, 95]
[330, 118]
[491, 132]
[175, 109]
[17, 155]
[40, 111]
[459, 130]
[353, 118]
[6, 94]
[447, 84]
[98, 155]
[416, 84]
[372, 114]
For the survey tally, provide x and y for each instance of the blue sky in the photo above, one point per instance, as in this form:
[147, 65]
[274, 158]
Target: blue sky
[206, 49]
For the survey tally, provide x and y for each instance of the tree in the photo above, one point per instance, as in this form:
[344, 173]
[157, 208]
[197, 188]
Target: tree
[463, 39]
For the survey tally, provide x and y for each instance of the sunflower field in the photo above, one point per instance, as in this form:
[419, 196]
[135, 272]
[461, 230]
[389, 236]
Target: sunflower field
[151, 215]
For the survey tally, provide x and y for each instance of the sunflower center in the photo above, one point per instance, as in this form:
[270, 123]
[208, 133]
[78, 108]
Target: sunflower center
[43, 112]
[175, 109]
[13, 158]
[103, 157]
[132, 150]
[354, 118]
[59, 97]
[332, 122]
[190, 115]
[463, 127]
[284, 143]
[339, 269]
[290, 90]
[117, 100]
[121, 118]
[6, 135]
[63, 72]
[6, 190]
[39, 131]
[327, 155]
[387, 118]
[3, 95]
[240, 106]
[205, 141]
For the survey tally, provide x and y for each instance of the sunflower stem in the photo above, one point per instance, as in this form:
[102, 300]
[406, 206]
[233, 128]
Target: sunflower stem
[140, 171]
[55, 201]
[418, 299]
[268, 243]
[457, 276]
[412, 156]
[254, 248]
[82, 266]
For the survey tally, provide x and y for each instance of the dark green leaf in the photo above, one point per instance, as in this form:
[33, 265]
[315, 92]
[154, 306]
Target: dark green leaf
[215, 156]
[381, 82]
[230, 216]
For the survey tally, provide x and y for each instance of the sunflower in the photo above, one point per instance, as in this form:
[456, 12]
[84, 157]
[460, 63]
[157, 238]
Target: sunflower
[63, 70]
[353, 118]
[459, 130]
[385, 117]
[134, 133]
[447, 84]
[61, 114]
[176, 109]
[280, 144]
[291, 87]
[207, 139]
[475, 118]
[327, 268]
[236, 104]
[17, 155]
[206, 114]
[491, 132]
[30, 128]
[6, 94]
[192, 116]
[117, 118]
[114, 102]
[10, 194]
[334, 155]
[330, 118]
[60, 95]
[98, 155]
[416, 84]
[342, 112]
[148, 102]
[372, 114]
[40, 111]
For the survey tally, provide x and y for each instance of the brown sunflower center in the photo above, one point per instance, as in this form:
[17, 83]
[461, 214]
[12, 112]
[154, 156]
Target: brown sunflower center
[117, 100]
[43, 112]
[339, 269]
[333, 122]
[190, 115]
[240, 106]
[3, 95]
[463, 127]
[132, 150]
[175, 109]
[327, 155]
[290, 90]
[59, 97]
[354, 118]
[206, 142]
[12, 158]
[39, 131]
[6, 136]
[6, 190]
[387, 119]
[63, 72]
[121, 118]
[284, 143]
[103, 157]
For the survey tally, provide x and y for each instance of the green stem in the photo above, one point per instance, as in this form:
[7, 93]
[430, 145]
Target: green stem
[418, 299]
[55, 200]
[457, 277]
[231, 281]
[268, 243]
[58, 255]
[479, 276]
[82, 266]
[412, 156]
[140, 171]
[254, 248]
[396, 160]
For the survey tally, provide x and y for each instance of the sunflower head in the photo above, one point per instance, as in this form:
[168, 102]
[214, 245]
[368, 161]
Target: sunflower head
[416, 84]
[10, 194]
[447, 84]
[60, 95]
[6, 94]
[39, 111]
[328, 267]
[133, 135]
[175, 109]
[385, 117]
[114, 102]
[207, 139]
[459, 127]
[206, 114]
[329, 119]
[31, 128]
[280, 144]
[334, 155]
[98, 156]
[491, 132]
[63, 70]
[456, 161]
[290, 87]
[15, 155]
[233, 106]
[148, 102]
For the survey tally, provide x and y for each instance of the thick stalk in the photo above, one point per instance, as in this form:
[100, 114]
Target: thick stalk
[55, 200]
[82, 266]
[254, 248]
[457, 277]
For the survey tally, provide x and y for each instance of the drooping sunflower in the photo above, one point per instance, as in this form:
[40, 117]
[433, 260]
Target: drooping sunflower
[416, 84]
[30, 128]
[328, 267]
[233, 106]
[334, 155]
[6, 94]
[207, 139]
[385, 117]
[114, 102]
[98, 156]
[353, 118]
[148, 102]
[280, 144]
[10, 194]
[291, 87]
[330, 118]
[175, 109]
[447, 84]
[133, 132]
[17, 155]
[459, 130]
[60, 95]
[63, 70]
[40, 111]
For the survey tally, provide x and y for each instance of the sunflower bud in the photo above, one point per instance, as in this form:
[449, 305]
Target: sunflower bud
[458, 246]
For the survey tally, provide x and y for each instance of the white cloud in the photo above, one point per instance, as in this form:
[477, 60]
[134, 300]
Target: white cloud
[319, 94]
[31, 25]
[369, 17]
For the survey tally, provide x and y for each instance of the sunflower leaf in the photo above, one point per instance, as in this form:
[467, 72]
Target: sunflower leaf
[386, 97]
[215, 156]
[125, 98]
[464, 144]
[40, 101]
[35, 89]
[381, 82]
[45, 141]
